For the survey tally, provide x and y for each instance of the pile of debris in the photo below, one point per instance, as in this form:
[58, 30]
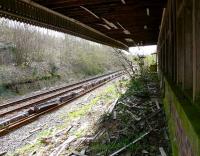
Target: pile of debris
[134, 125]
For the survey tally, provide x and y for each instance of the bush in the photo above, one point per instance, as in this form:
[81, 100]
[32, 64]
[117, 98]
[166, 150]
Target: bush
[39, 56]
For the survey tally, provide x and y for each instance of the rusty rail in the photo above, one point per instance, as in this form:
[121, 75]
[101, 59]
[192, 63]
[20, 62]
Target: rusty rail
[54, 90]
[34, 116]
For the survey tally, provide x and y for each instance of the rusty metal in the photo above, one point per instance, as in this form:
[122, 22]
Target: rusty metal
[34, 102]
[36, 113]
[53, 90]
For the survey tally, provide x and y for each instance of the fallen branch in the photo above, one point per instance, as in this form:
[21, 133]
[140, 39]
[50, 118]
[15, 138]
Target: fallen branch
[75, 148]
[108, 136]
[125, 104]
[35, 130]
[162, 152]
[157, 104]
[135, 141]
[149, 117]
[3, 153]
[139, 107]
[133, 116]
[112, 106]
[66, 130]
[77, 154]
[27, 136]
[63, 146]
[100, 133]
[114, 115]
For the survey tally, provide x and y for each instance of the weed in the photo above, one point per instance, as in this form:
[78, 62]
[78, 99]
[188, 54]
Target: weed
[105, 96]
[109, 147]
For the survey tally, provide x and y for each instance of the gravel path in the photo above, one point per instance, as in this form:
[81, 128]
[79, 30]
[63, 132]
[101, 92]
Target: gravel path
[21, 136]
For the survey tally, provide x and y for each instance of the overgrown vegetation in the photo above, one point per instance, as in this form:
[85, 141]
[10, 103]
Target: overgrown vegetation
[73, 117]
[136, 113]
[102, 130]
[46, 58]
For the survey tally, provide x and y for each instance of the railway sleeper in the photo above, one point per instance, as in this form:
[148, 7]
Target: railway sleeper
[54, 102]
[45, 106]
[6, 122]
[66, 97]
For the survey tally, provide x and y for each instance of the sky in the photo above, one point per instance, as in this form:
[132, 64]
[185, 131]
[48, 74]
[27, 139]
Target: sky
[143, 50]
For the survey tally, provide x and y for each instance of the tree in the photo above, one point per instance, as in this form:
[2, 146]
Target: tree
[126, 63]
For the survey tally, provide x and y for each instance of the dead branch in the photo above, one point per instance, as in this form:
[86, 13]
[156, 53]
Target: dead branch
[135, 141]
[162, 151]
[63, 146]
[112, 106]
[122, 59]
[66, 130]
[133, 116]
[149, 117]
[35, 130]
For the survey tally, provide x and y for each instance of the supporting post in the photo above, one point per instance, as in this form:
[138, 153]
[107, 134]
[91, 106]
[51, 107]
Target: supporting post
[188, 48]
[196, 49]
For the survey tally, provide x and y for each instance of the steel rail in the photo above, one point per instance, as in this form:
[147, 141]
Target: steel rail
[54, 90]
[33, 117]
[38, 101]
[43, 97]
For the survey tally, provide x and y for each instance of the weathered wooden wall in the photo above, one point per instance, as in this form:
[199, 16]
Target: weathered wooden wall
[179, 46]
[179, 66]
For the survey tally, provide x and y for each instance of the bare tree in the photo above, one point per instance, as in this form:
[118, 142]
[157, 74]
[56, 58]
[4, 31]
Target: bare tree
[126, 63]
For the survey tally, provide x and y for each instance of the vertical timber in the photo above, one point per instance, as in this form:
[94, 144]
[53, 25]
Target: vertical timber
[196, 49]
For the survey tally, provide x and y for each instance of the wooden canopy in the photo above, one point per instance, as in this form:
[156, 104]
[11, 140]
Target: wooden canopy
[118, 23]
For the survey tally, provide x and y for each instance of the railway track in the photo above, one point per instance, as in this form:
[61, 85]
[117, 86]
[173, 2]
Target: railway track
[21, 112]
[11, 107]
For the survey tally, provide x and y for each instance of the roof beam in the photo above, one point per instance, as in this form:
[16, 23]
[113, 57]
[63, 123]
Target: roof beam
[29, 12]
[74, 3]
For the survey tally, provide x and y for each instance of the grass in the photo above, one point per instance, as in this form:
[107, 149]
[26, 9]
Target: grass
[83, 110]
[29, 148]
[107, 95]
[80, 133]
[135, 85]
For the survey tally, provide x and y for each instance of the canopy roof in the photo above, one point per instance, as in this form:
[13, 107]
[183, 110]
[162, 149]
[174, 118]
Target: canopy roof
[118, 23]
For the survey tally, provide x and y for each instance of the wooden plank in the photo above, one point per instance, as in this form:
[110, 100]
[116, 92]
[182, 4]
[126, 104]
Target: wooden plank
[196, 49]
[188, 61]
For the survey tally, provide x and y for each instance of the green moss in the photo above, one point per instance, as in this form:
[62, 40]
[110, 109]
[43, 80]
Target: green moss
[28, 148]
[83, 110]
[80, 133]
[106, 96]
[171, 126]
[189, 115]
[45, 133]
